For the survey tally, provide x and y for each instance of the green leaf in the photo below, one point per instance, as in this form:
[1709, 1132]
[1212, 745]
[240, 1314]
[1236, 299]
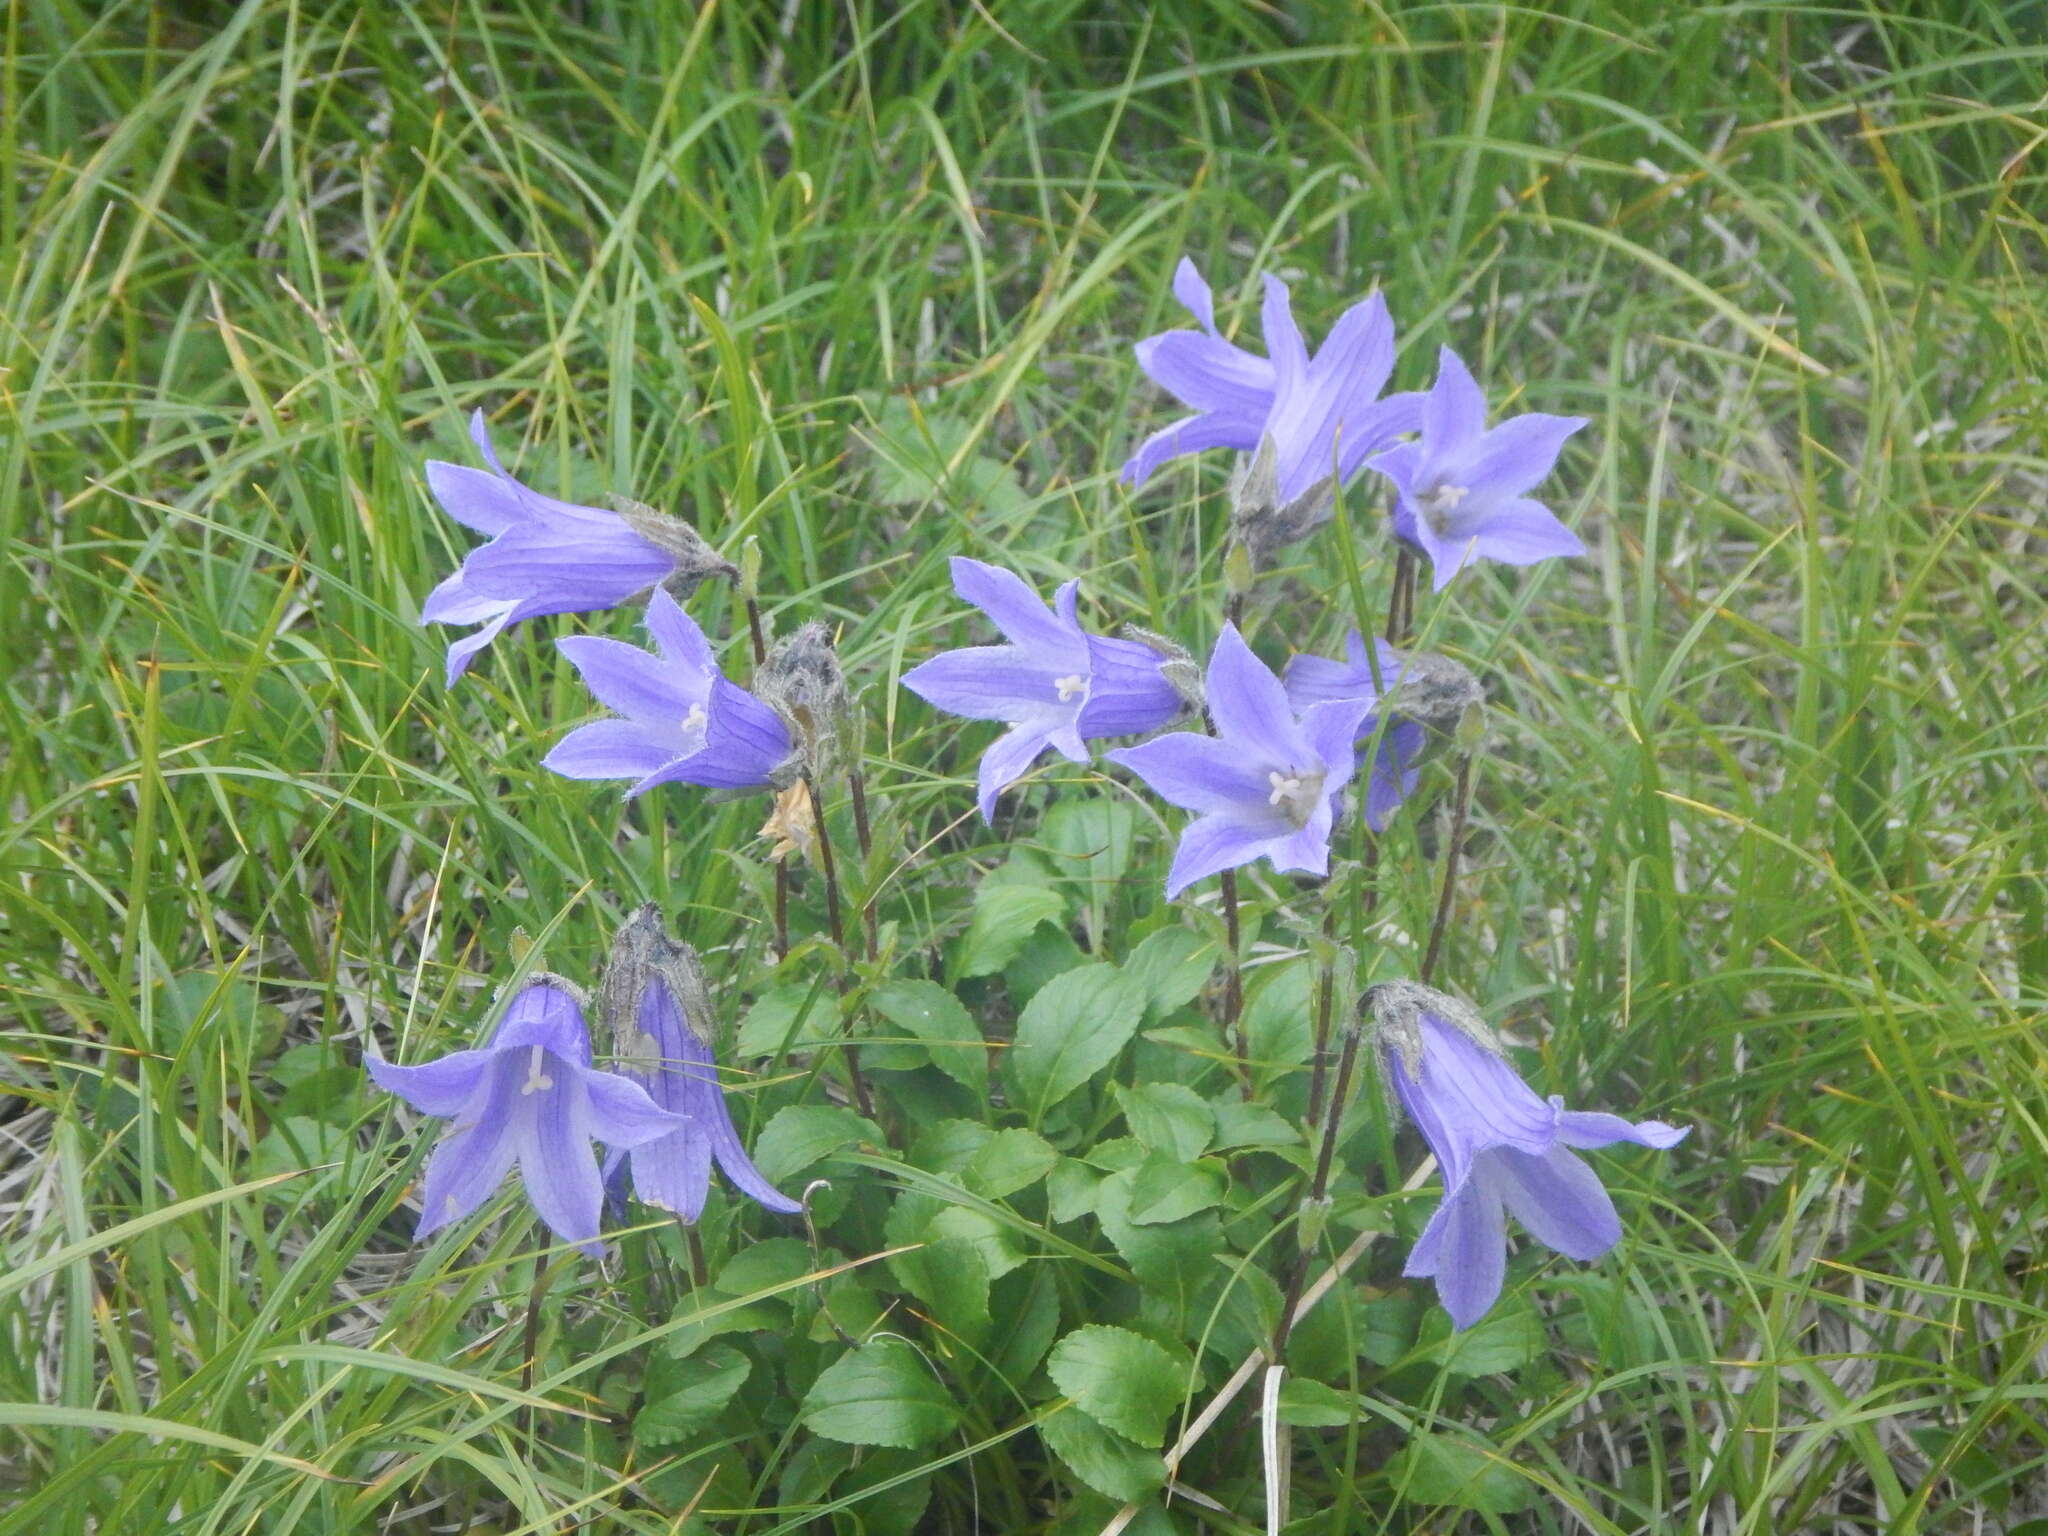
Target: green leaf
[909, 454]
[1507, 1338]
[1278, 1021]
[881, 1393]
[1239, 1124]
[693, 1336]
[1436, 1469]
[947, 1146]
[1168, 1117]
[787, 1018]
[1174, 965]
[1165, 1189]
[950, 1276]
[722, 1371]
[998, 1243]
[1090, 840]
[935, 1016]
[758, 1266]
[1004, 916]
[1315, 1406]
[806, 1134]
[1068, 1033]
[1121, 1379]
[1173, 1259]
[1105, 1461]
[1007, 1162]
[1070, 1190]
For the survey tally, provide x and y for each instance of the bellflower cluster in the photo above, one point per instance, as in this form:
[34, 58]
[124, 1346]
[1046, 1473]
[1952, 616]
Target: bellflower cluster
[531, 1098]
[1502, 1148]
[1266, 785]
[547, 556]
[1313, 420]
[680, 721]
[1312, 423]
[1053, 684]
[656, 1002]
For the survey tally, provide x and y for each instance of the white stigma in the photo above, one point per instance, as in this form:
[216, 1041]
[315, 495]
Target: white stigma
[1439, 502]
[1295, 794]
[1070, 685]
[536, 1079]
[696, 719]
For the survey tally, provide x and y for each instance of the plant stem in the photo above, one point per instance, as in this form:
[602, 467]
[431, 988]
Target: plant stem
[530, 1341]
[1326, 1002]
[1319, 1189]
[828, 866]
[1459, 811]
[756, 631]
[856, 782]
[693, 1243]
[1401, 601]
[1233, 980]
[781, 909]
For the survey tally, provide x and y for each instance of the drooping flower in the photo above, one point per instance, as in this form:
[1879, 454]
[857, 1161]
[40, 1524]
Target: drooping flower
[1312, 680]
[1461, 490]
[1266, 785]
[1500, 1146]
[656, 1000]
[1313, 420]
[1053, 684]
[681, 720]
[547, 556]
[530, 1097]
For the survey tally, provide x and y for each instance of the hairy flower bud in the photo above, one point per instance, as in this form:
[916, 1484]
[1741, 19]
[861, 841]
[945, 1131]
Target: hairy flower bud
[695, 560]
[802, 681]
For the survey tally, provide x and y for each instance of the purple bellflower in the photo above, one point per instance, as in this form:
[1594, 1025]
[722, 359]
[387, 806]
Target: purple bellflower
[1461, 490]
[681, 720]
[1312, 680]
[529, 1097]
[545, 556]
[1266, 785]
[1500, 1146]
[1054, 684]
[673, 1172]
[1323, 413]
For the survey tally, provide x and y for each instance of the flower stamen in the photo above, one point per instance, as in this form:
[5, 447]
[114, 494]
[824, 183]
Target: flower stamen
[1438, 503]
[536, 1079]
[1295, 794]
[1070, 685]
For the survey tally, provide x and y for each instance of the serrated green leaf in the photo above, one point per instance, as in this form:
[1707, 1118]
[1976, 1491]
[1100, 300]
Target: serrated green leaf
[1120, 1379]
[1166, 1189]
[1068, 1033]
[1070, 1190]
[721, 1371]
[950, 1276]
[1174, 965]
[947, 1146]
[882, 1393]
[1315, 1406]
[758, 1266]
[1090, 840]
[1004, 916]
[1239, 1124]
[1168, 1117]
[803, 1135]
[1278, 1021]
[935, 1016]
[1105, 1461]
[1436, 1469]
[1007, 1162]
[787, 1018]
[1506, 1339]
[997, 1242]
[693, 1336]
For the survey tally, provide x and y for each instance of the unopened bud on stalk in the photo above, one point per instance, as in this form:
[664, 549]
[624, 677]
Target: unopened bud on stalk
[695, 560]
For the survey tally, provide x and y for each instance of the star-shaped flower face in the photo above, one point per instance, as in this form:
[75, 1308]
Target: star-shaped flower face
[1461, 489]
[1053, 684]
[545, 556]
[1312, 680]
[529, 1098]
[1266, 785]
[1502, 1149]
[1323, 413]
[681, 720]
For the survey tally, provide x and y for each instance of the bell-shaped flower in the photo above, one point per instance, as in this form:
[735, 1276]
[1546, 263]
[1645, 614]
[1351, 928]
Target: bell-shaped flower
[1323, 413]
[531, 1098]
[1053, 684]
[1312, 680]
[1501, 1147]
[668, 1055]
[1266, 785]
[1461, 490]
[680, 720]
[546, 556]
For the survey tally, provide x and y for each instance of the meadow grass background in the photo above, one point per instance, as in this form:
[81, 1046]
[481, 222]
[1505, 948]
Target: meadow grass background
[1760, 845]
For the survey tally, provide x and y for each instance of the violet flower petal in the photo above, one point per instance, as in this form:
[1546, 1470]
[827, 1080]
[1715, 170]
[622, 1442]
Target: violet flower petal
[1559, 1199]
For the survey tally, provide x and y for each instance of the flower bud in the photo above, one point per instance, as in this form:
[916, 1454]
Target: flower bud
[801, 680]
[695, 560]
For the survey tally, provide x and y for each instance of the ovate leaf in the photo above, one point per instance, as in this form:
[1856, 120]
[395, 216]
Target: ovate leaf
[1121, 1379]
[935, 1016]
[1070, 1031]
[881, 1393]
